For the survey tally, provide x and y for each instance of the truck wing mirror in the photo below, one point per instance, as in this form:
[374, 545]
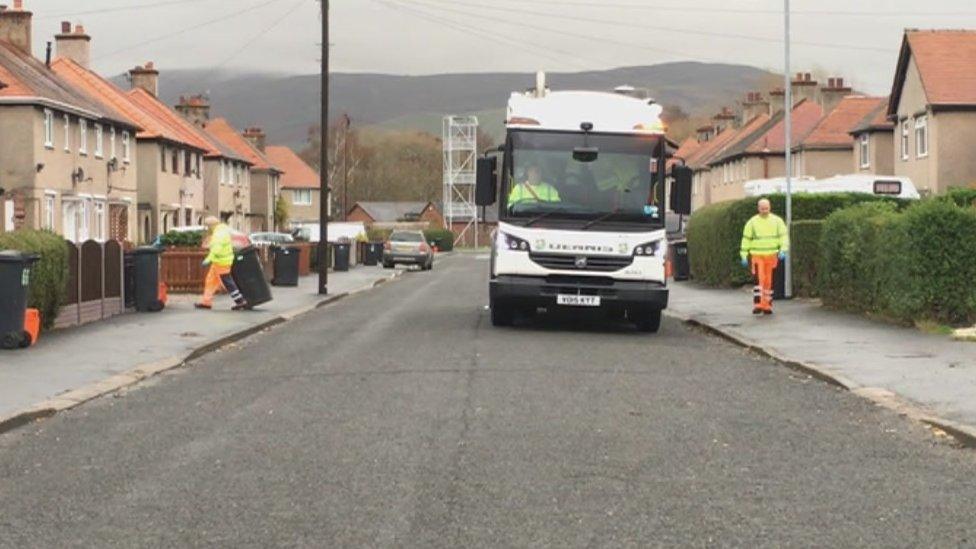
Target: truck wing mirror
[680, 202]
[486, 183]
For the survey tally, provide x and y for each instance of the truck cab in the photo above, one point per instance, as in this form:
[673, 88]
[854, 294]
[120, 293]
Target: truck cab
[580, 189]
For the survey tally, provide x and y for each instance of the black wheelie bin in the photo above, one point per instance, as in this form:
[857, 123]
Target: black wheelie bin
[249, 276]
[146, 280]
[15, 270]
[285, 265]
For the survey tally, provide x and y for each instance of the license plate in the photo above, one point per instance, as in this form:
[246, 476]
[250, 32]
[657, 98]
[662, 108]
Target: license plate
[578, 300]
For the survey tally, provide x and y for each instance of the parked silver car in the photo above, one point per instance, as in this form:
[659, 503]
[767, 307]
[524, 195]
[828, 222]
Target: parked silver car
[271, 238]
[408, 247]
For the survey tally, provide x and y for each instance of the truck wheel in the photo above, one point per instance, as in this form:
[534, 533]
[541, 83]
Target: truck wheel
[501, 315]
[387, 265]
[648, 320]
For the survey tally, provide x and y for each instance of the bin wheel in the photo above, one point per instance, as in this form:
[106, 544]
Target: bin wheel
[26, 341]
[11, 340]
[387, 265]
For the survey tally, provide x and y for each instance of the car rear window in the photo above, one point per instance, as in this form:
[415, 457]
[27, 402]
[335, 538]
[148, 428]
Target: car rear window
[406, 237]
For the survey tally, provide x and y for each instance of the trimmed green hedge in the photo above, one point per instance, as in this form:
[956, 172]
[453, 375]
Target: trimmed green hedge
[805, 252]
[919, 264]
[443, 238]
[182, 239]
[961, 197]
[49, 275]
[715, 231]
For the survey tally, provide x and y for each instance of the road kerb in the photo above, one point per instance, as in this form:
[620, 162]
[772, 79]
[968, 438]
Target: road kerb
[117, 382]
[964, 434]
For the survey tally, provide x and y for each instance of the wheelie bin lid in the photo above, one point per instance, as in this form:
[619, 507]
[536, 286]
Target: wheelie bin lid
[14, 256]
[146, 250]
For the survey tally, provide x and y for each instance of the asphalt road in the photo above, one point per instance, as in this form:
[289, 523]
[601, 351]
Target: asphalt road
[401, 418]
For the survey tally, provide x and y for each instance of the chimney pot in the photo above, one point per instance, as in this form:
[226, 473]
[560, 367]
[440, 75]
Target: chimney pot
[79, 29]
[808, 77]
[65, 27]
[18, 4]
[840, 82]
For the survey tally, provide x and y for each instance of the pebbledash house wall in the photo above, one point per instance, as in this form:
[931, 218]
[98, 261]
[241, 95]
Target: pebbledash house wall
[822, 163]
[159, 192]
[36, 173]
[221, 197]
[302, 214]
[881, 161]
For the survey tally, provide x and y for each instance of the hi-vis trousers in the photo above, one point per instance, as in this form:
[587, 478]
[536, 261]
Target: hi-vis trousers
[218, 277]
[762, 271]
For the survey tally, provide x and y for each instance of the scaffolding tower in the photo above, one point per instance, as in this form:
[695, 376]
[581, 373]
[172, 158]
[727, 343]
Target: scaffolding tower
[460, 167]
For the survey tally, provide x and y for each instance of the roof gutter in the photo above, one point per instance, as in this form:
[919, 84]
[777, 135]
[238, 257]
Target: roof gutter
[45, 102]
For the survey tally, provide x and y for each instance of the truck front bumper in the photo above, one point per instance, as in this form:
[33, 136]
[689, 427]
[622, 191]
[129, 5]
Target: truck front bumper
[531, 291]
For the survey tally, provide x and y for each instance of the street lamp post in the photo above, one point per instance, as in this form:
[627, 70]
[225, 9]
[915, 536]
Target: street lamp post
[788, 111]
[324, 159]
[345, 168]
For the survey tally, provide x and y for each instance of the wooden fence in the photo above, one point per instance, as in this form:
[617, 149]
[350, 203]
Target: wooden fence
[94, 284]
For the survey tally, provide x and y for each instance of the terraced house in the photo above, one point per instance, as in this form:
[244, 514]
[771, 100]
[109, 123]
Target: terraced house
[67, 163]
[299, 187]
[227, 174]
[933, 108]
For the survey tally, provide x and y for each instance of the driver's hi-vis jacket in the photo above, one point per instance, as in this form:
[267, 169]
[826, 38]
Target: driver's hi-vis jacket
[527, 192]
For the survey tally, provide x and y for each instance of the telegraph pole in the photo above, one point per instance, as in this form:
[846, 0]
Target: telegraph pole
[324, 159]
[345, 167]
[788, 112]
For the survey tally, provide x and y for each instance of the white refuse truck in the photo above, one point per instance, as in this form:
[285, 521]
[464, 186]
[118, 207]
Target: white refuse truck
[580, 189]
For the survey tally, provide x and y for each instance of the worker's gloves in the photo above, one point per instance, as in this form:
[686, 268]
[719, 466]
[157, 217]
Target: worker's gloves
[745, 262]
[206, 263]
[782, 256]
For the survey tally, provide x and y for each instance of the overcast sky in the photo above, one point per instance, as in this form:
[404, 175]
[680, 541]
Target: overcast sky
[857, 39]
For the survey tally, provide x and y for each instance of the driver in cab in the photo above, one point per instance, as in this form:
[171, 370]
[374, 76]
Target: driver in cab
[533, 189]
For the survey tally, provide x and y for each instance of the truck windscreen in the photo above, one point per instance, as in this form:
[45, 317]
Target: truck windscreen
[619, 184]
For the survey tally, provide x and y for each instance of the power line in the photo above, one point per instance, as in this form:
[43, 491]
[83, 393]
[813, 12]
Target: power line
[744, 11]
[601, 39]
[117, 9]
[185, 30]
[676, 30]
[257, 36]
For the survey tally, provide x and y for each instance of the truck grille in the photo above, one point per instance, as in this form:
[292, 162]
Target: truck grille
[594, 263]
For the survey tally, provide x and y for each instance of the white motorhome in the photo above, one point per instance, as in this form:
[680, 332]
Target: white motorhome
[580, 192]
[881, 185]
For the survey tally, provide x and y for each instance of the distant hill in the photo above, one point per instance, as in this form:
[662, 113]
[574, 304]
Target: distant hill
[286, 105]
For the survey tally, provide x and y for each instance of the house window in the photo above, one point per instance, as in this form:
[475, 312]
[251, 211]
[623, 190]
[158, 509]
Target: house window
[99, 138]
[301, 197]
[187, 158]
[921, 137]
[223, 172]
[904, 140]
[175, 159]
[125, 147]
[864, 150]
[162, 158]
[49, 201]
[67, 133]
[199, 171]
[48, 128]
[99, 228]
[83, 133]
[111, 142]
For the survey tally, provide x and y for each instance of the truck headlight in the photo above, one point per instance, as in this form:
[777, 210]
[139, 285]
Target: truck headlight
[514, 243]
[648, 249]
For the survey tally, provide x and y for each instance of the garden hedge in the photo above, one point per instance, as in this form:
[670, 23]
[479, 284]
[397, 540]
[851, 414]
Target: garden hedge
[443, 238]
[182, 239]
[805, 250]
[909, 266]
[49, 275]
[715, 231]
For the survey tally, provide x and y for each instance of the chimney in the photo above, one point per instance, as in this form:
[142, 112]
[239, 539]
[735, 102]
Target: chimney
[833, 92]
[724, 119]
[705, 133]
[196, 109]
[256, 136]
[777, 100]
[754, 105]
[15, 26]
[146, 77]
[804, 87]
[74, 45]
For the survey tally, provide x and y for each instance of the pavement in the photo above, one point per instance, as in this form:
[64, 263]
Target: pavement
[927, 376]
[399, 417]
[75, 363]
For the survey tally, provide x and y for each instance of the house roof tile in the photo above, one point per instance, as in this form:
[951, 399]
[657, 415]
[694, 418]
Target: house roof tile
[298, 174]
[28, 80]
[97, 89]
[391, 212]
[743, 137]
[945, 61]
[834, 129]
[876, 120]
[172, 123]
[806, 114]
[221, 130]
